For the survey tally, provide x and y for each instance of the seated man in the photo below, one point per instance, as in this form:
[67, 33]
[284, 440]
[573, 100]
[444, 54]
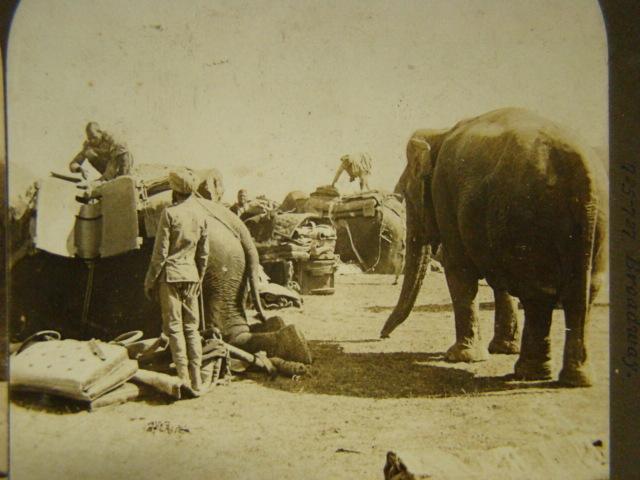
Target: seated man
[108, 157]
[242, 204]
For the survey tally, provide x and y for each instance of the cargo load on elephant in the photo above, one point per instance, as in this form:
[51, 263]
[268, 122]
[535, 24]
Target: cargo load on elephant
[63, 216]
[258, 206]
[296, 250]
[370, 227]
[78, 257]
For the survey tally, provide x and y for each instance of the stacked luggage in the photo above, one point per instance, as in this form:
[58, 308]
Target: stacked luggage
[297, 250]
[370, 227]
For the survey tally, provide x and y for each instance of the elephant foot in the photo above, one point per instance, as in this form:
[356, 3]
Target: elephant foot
[530, 370]
[293, 346]
[461, 352]
[575, 377]
[504, 346]
[271, 324]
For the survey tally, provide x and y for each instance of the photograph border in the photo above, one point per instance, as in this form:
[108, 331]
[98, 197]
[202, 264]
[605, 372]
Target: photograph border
[623, 36]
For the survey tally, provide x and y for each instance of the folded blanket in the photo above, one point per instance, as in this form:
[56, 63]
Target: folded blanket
[80, 370]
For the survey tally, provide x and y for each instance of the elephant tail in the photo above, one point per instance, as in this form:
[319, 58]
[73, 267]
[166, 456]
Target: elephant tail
[585, 211]
[253, 270]
[590, 217]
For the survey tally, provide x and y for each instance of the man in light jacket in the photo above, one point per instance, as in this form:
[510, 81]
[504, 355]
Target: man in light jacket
[176, 271]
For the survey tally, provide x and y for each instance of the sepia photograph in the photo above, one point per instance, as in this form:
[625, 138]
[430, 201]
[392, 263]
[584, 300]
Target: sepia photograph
[285, 239]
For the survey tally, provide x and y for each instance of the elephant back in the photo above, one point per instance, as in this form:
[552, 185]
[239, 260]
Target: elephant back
[223, 227]
[535, 185]
[227, 259]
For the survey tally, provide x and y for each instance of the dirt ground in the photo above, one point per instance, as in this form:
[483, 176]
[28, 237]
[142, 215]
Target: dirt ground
[365, 396]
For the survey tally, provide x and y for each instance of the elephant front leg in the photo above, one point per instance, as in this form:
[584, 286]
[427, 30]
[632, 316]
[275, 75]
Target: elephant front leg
[575, 370]
[535, 356]
[506, 338]
[463, 287]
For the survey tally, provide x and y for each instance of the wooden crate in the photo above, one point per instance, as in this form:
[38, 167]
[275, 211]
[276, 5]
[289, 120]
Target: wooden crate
[316, 277]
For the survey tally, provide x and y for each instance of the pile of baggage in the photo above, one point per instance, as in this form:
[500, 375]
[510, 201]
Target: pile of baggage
[95, 373]
[297, 250]
[370, 227]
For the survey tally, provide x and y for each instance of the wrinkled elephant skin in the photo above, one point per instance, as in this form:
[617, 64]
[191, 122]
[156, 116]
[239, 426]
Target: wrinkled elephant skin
[233, 266]
[518, 200]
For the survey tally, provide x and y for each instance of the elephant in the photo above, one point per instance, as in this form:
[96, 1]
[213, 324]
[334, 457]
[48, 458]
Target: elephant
[117, 285]
[233, 266]
[520, 201]
[211, 186]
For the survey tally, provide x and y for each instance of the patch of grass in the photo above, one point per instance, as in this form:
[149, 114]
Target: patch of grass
[387, 375]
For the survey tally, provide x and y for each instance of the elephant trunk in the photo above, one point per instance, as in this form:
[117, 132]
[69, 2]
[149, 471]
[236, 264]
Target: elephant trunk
[416, 263]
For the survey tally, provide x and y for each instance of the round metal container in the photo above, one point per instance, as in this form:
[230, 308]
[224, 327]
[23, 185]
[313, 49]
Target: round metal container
[88, 231]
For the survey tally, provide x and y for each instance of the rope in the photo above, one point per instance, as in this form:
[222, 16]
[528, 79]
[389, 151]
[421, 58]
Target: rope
[144, 194]
[379, 247]
[217, 370]
[345, 224]
[201, 308]
[366, 269]
[198, 197]
[87, 296]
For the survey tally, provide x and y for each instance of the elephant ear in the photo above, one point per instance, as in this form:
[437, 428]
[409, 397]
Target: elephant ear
[419, 157]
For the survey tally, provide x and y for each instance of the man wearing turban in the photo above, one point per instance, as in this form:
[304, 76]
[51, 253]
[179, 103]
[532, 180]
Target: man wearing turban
[176, 271]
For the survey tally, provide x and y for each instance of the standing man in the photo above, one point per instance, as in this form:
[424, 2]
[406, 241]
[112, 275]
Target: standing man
[177, 268]
[109, 157]
[357, 165]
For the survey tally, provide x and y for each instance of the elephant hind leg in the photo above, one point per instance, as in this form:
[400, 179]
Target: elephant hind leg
[506, 337]
[575, 370]
[463, 287]
[535, 355]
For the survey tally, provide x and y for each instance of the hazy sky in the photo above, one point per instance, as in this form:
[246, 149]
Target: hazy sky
[274, 92]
